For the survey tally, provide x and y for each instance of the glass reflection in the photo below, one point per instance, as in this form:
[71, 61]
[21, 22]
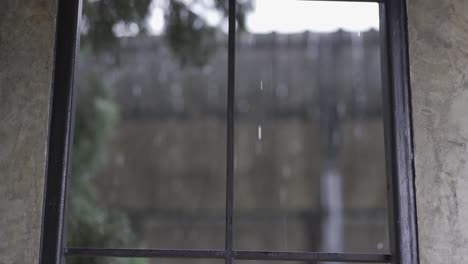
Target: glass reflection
[310, 165]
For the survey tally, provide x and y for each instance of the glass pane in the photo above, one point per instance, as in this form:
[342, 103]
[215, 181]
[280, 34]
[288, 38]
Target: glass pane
[107, 260]
[309, 150]
[149, 152]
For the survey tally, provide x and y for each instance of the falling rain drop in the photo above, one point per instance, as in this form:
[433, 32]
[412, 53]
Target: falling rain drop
[259, 132]
[261, 85]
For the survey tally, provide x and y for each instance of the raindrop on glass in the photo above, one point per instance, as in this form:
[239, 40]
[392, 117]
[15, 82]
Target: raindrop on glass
[380, 246]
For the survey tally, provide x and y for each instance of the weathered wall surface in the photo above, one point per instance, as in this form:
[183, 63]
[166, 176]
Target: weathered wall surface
[26, 57]
[438, 34]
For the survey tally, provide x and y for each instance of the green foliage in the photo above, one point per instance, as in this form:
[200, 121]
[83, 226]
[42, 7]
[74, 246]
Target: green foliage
[242, 8]
[100, 16]
[189, 37]
[94, 120]
[91, 222]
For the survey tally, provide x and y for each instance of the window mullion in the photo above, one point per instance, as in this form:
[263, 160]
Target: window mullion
[230, 134]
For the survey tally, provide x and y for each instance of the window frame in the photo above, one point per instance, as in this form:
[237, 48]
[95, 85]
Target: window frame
[398, 147]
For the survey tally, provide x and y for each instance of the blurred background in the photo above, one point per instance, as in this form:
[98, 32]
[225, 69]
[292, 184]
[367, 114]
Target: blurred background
[149, 154]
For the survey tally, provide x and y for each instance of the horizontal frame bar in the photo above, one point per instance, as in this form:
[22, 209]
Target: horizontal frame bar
[143, 253]
[218, 254]
[312, 256]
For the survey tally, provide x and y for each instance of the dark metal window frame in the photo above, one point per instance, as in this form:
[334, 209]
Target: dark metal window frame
[398, 144]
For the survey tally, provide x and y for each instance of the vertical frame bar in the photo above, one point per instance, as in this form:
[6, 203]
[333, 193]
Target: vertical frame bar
[398, 132]
[230, 133]
[60, 131]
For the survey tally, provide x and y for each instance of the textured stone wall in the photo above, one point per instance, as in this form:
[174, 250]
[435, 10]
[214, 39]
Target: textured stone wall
[26, 58]
[438, 34]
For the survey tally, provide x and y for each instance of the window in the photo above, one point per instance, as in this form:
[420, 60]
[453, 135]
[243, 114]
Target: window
[280, 146]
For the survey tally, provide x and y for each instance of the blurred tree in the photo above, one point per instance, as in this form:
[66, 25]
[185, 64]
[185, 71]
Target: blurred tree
[101, 16]
[89, 221]
[188, 35]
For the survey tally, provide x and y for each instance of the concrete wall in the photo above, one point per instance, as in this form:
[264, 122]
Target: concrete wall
[26, 58]
[438, 32]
